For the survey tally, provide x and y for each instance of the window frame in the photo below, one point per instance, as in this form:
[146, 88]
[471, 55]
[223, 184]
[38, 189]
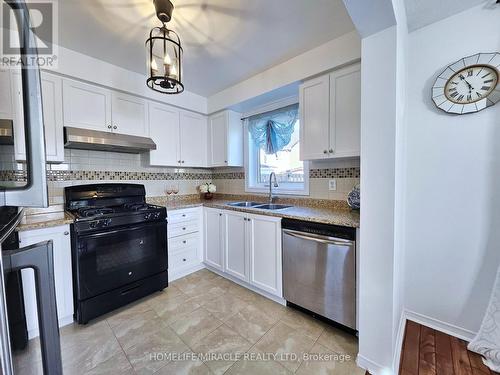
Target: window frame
[251, 158]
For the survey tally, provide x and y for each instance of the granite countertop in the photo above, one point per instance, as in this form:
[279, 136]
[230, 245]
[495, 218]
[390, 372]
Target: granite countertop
[318, 211]
[45, 220]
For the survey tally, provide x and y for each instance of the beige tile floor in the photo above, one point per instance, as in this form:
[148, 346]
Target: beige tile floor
[206, 314]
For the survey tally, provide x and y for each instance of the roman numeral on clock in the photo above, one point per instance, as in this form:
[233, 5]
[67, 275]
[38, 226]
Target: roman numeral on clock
[485, 88]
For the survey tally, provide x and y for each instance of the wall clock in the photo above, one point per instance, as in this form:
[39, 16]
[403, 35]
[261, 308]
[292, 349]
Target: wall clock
[469, 84]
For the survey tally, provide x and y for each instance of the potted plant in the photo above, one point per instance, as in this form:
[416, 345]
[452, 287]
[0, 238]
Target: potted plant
[208, 189]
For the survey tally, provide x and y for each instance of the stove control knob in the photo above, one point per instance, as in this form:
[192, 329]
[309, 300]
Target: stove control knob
[106, 222]
[93, 224]
[157, 215]
[147, 216]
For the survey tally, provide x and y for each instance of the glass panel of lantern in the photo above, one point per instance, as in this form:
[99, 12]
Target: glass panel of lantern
[164, 61]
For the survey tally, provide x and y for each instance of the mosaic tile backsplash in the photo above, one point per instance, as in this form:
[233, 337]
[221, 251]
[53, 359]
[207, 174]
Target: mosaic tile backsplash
[82, 167]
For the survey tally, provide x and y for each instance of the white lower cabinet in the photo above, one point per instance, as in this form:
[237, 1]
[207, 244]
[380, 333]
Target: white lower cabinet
[246, 247]
[235, 245]
[62, 274]
[214, 241]
[264, 233]
[184, 242]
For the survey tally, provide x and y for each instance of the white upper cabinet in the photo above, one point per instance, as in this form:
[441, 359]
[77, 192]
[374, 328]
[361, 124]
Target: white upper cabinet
[164, 131]
[6, 105]
[52, 117]
[345, 111]
[225, 140]
[193, 139]
[180, 137]
[314, 118]
[235, 241]
[91, 107]
[330, 115]
[129, 114]
[86, 106]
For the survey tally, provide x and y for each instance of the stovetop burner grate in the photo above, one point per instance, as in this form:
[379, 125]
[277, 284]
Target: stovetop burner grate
[95, 211]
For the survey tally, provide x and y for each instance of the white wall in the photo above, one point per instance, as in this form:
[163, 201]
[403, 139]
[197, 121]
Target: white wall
[398, 324]
[376, 258]
[453, 181]
[335, 53]
[78, 65]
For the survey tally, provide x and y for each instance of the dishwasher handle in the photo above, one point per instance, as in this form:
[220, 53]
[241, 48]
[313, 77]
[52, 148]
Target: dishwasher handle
[318, 238]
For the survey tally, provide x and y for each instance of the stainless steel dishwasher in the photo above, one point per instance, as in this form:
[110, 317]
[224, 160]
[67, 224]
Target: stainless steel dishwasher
[319, 269]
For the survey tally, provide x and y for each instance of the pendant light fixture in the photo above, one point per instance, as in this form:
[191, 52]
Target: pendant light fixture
[164, 53]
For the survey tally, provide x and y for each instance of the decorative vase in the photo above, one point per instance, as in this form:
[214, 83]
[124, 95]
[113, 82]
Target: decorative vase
[208, 195]
[353, 198]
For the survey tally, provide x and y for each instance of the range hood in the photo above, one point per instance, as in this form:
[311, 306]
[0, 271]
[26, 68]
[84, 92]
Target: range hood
[85, 139]
[6, 132]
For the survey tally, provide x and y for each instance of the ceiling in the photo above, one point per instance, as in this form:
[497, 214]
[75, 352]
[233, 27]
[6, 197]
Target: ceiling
[224, 41]
[421, 13]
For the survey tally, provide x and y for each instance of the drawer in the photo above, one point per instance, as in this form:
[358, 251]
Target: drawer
[181, 242]
[180, 229]
[183, 258]
[179, 216]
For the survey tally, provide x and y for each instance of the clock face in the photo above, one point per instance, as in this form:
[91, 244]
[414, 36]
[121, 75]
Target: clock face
[471, 84]
[468, 85]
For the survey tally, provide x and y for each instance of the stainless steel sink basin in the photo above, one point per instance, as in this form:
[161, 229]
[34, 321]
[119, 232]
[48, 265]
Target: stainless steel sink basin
[272, 206]
[244, 204]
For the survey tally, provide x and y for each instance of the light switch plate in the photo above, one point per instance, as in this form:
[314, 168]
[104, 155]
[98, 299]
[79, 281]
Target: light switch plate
[332, 184]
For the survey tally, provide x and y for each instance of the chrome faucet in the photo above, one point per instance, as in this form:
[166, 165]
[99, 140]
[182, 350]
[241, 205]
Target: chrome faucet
[271, 186]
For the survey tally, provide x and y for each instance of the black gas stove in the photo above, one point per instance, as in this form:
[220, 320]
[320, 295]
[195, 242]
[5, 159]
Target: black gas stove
[119, 246]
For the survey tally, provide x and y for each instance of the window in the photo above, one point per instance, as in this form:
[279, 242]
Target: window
[282, 158]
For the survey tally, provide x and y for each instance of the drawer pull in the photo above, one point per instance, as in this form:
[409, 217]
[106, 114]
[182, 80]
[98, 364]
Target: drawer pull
[183, 228]
[183, 259]
[183, 215]
[184, 241]
[66, 233]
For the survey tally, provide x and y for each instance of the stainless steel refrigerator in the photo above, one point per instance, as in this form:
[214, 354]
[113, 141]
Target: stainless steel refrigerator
[28, 191]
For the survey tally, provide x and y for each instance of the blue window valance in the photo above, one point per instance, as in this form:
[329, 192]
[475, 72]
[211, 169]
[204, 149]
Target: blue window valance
[272, 131]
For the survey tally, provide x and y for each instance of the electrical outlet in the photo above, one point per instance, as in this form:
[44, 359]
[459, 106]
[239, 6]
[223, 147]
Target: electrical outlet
[332, 184]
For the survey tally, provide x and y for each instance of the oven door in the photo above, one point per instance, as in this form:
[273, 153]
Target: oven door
[114, 258]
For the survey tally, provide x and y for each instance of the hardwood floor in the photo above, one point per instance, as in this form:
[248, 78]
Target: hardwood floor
[430, 352]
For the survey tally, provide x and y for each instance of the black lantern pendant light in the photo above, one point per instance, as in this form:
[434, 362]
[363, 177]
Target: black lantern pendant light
[164, 53]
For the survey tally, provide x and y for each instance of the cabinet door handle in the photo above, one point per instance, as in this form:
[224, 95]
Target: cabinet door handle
[183, 215]
[184, 241]
[178, 161]
[225, 161]
[220, 214]
[115, 127]
[66, 233]
[183, 162]
[183, 259]
[325, 152]
[331, 151]
[109, 127]
[184, 228]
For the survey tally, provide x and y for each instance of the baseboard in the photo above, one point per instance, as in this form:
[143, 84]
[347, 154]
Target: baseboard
[32, 333]
[439, 325]
[235, 280]
[174, 275]
[372, 367]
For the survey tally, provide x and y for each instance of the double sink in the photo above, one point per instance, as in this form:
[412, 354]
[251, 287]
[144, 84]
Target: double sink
[259, 205]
